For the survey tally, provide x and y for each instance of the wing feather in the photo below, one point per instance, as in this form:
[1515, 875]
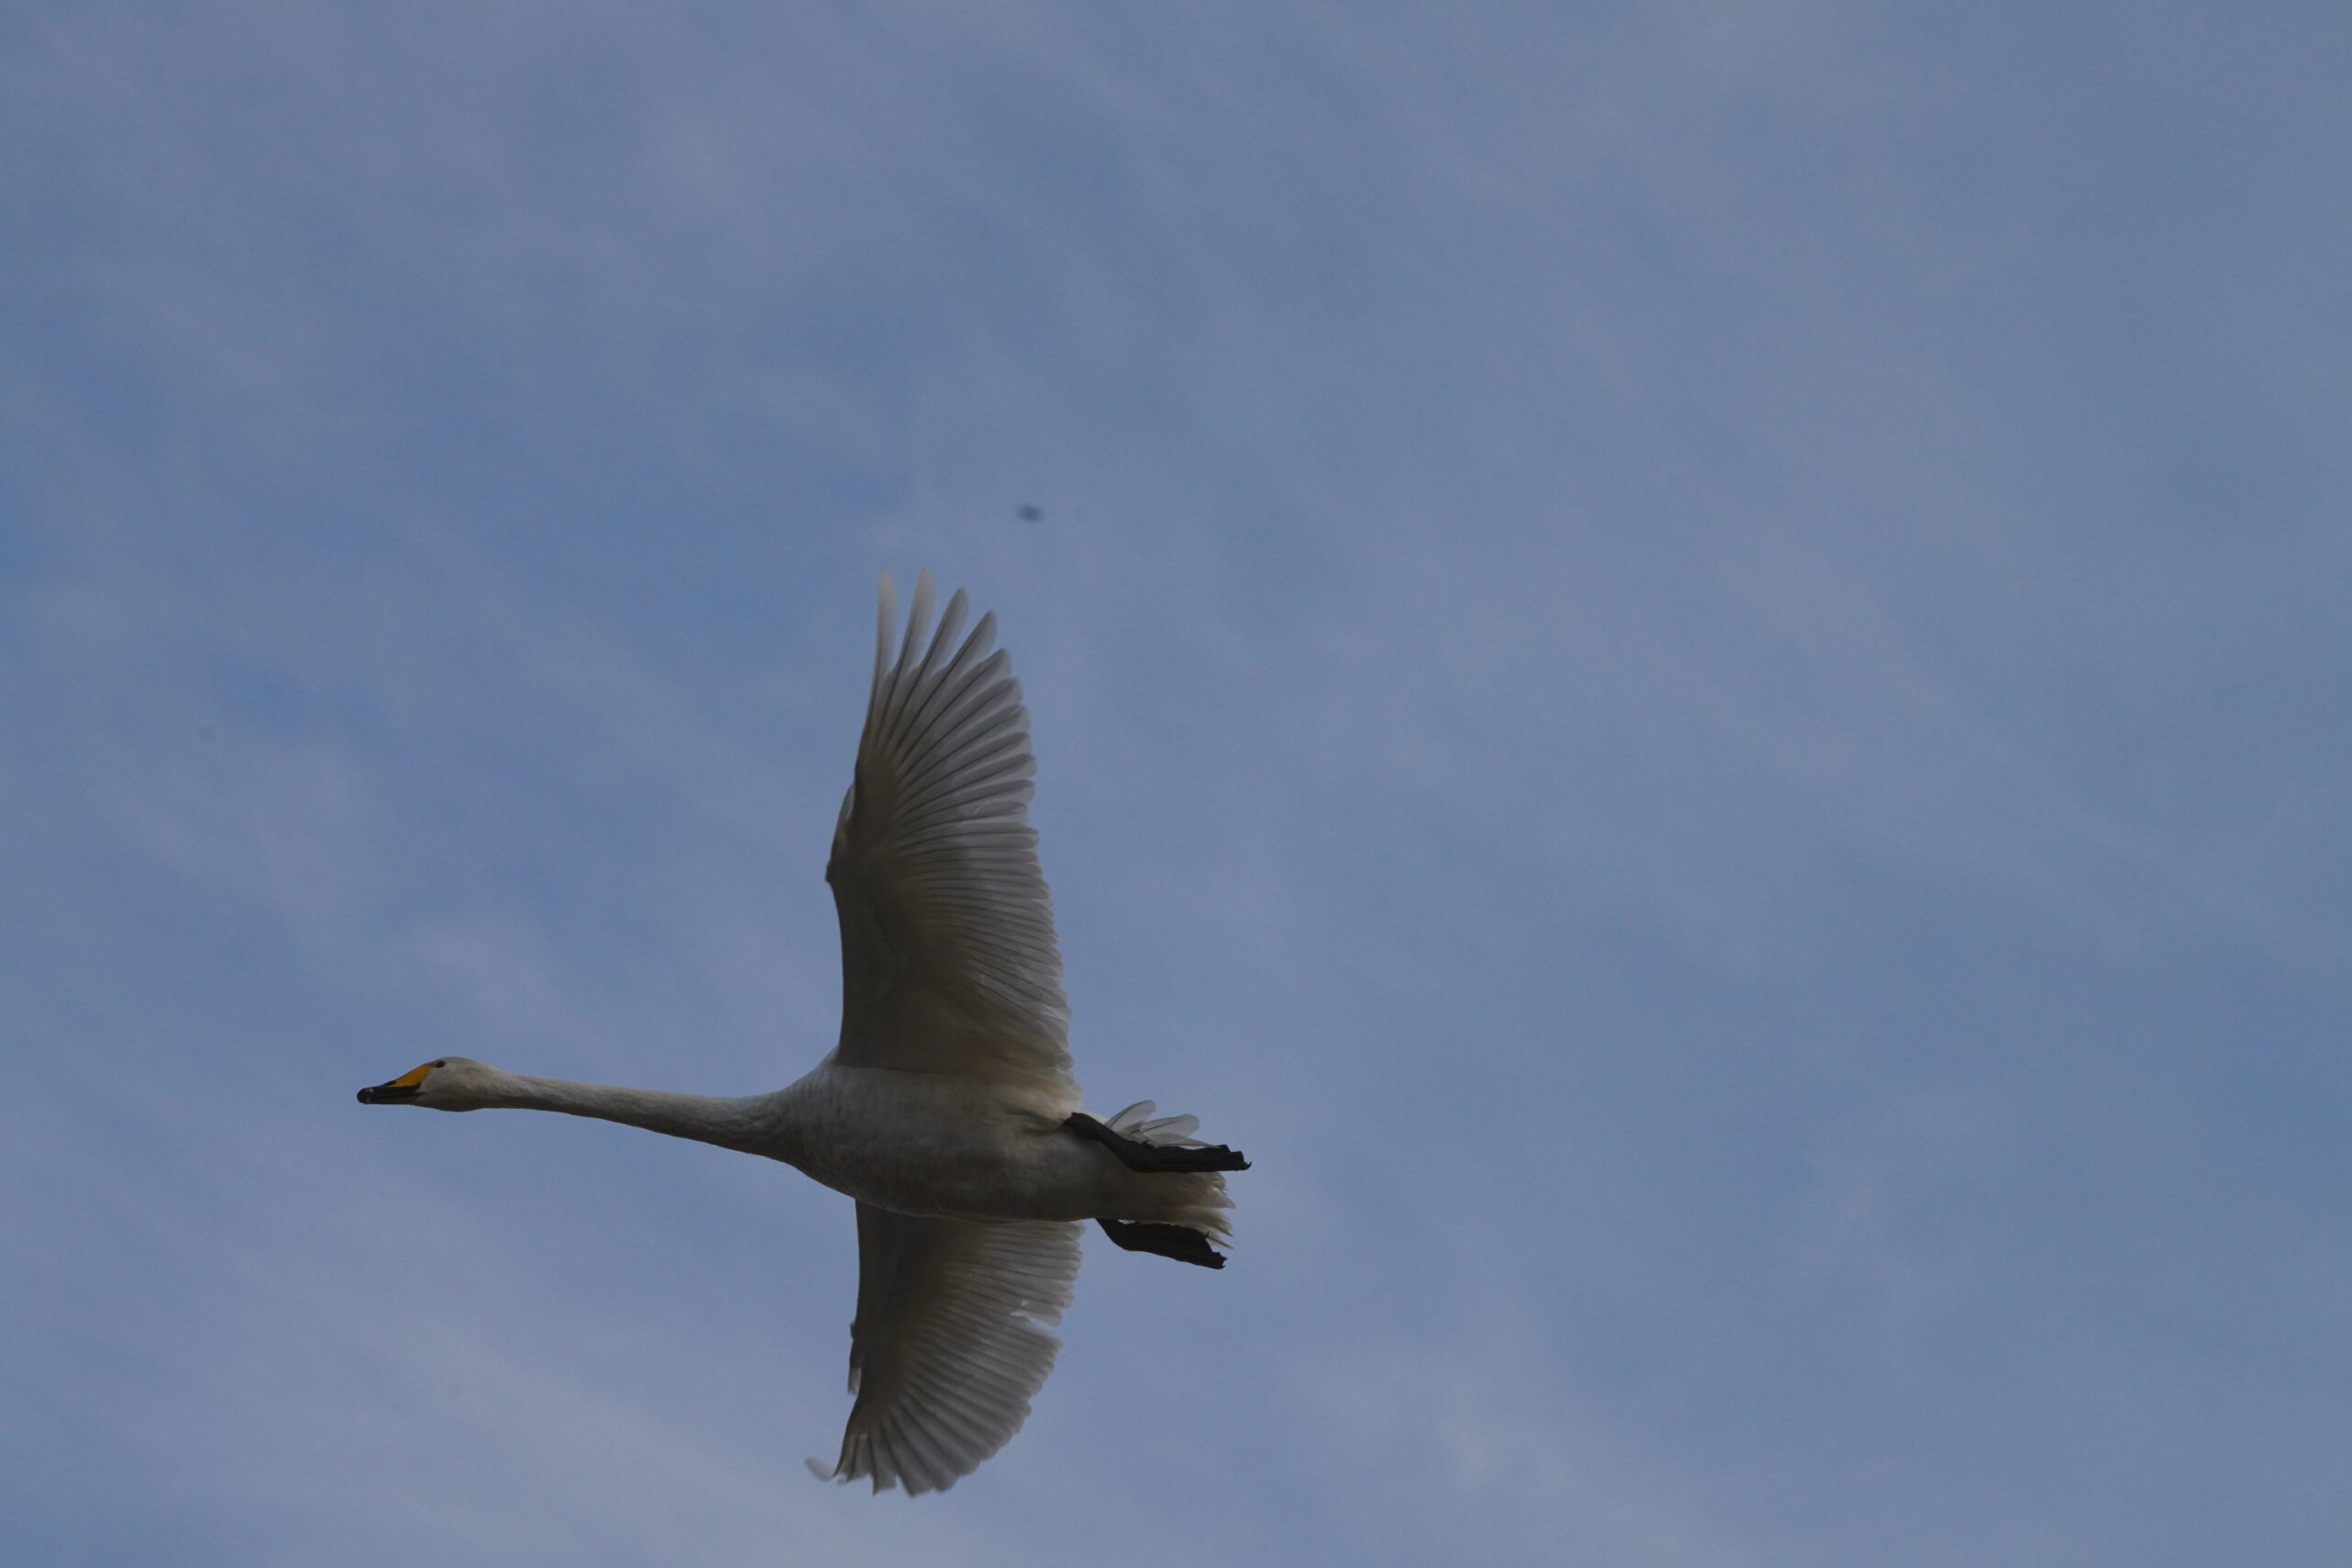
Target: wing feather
[951, 1341]
[948, 957]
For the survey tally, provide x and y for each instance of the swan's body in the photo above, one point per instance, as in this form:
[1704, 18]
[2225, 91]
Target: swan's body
[947, 1109]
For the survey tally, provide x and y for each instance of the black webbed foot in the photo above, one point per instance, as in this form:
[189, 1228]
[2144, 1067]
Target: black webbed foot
[1181, 1242]
[1137, 1155]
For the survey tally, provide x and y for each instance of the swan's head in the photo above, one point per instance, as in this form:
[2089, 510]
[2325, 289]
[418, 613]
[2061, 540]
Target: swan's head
[448, 1083]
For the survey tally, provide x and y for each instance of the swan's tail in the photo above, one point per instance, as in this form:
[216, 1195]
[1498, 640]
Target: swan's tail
[1168, 1132]
[1194, 1199]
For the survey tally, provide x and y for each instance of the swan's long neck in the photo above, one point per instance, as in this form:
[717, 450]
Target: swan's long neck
[709, 1118]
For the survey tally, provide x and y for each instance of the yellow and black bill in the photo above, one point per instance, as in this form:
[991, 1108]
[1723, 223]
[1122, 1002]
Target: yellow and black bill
[405, 1086]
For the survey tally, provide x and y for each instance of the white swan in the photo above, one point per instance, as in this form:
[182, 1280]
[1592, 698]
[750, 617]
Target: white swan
[947, 1109]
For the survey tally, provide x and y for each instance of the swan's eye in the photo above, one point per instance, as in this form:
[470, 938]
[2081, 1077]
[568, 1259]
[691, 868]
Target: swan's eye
[414, 1076]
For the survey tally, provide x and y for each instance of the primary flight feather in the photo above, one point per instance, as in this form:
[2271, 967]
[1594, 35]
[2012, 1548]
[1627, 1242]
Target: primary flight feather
[947, 1109]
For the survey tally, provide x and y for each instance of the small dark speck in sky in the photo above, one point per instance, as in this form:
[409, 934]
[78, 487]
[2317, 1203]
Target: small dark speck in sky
[1030, 514]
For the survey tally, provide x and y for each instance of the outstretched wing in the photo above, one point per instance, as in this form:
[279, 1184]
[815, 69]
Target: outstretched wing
[948, 959]
[950, 1342]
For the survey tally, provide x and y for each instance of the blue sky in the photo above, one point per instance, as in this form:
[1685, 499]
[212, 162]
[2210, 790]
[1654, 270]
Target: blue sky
[1689, 662]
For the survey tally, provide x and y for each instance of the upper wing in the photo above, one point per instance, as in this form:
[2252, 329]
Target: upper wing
[948, 960]
[950, 1341]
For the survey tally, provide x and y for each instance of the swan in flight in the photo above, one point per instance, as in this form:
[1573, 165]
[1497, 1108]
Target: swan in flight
[948, 1111]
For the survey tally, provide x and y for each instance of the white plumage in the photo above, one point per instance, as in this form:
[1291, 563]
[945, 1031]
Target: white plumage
[947, 1109]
